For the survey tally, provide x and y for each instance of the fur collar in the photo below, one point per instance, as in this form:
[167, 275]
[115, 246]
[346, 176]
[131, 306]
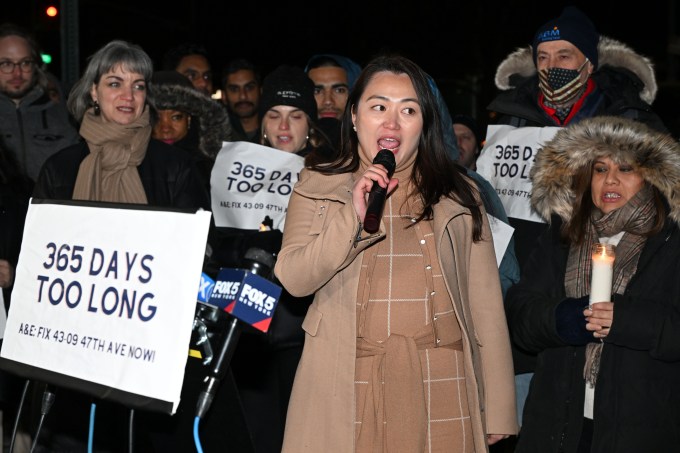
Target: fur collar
[611, 53]
[655, 154]
[213, 120]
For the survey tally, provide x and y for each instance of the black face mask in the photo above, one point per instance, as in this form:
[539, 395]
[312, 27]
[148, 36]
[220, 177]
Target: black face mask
[560, 86]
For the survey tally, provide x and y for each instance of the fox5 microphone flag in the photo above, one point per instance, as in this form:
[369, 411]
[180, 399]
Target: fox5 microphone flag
[205, 288]
[247, 296]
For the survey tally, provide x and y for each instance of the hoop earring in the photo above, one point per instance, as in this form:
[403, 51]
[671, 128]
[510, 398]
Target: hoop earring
[97, 109]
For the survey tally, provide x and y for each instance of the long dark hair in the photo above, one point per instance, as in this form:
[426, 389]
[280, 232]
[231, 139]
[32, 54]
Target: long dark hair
[435, 175]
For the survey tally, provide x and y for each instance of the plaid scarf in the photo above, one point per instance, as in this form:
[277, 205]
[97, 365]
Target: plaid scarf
[636, 218]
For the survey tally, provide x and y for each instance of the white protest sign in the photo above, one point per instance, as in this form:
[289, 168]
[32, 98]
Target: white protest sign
[107, 295]
[249, 182]
[506, 161]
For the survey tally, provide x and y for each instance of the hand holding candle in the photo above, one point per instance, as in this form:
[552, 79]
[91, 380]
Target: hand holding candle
[602, 273]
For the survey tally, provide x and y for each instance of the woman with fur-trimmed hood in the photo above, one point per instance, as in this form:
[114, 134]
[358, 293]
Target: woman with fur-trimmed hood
[608, 374]
[188, 119]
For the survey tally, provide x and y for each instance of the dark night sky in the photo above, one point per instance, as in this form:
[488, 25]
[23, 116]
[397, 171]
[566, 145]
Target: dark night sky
[459, 43]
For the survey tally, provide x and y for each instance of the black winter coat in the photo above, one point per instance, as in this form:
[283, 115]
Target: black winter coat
[13, 207]
[637, 398]
[169, 176]
[14, 195]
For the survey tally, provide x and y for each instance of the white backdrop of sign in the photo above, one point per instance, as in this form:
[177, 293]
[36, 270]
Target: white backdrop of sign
[506, 161]
[251, 181]
[108, 295]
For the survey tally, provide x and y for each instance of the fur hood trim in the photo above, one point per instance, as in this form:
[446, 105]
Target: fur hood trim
[656, 155]
[611, 53]
[214, 125]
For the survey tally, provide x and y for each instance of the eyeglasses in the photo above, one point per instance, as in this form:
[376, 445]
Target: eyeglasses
[7, 67]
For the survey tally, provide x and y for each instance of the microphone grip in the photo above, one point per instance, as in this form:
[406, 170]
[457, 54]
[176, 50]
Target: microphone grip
[377, 195]
[220, 367]
[375, 205]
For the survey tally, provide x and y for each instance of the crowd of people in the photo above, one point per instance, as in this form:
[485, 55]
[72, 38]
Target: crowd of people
[464, 323]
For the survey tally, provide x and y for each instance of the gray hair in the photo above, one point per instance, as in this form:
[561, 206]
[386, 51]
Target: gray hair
[116, 53]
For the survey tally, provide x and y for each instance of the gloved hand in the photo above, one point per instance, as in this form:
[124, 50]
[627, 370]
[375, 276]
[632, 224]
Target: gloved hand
[571, 323]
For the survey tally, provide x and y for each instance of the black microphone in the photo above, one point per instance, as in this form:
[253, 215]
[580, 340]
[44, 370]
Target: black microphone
[377, 195]
[260, 263]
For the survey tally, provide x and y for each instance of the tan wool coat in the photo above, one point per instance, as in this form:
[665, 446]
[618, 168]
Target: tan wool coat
[320, 254]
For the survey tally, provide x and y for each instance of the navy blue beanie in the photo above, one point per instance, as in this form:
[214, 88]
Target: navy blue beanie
[572, 26]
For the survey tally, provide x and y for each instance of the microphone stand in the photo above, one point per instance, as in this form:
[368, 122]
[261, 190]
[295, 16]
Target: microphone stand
[220, 366]
[260, 263]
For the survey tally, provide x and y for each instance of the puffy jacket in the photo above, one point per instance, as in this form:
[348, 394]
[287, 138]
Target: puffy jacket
[35, 129]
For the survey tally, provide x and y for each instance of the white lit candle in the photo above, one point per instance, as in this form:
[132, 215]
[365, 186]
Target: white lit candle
[602, 273]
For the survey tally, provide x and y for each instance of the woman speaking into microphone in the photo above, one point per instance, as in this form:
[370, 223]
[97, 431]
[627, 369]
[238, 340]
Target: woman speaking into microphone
[406, 339]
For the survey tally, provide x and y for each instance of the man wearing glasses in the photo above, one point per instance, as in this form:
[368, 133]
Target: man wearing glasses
[32, 126]
[191, 60]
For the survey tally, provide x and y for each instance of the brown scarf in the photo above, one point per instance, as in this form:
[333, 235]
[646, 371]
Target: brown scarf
[109, 172]
[635, 218]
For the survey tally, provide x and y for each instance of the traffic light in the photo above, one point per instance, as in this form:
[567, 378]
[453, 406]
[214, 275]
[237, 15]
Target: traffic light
[47, 15]
[46, 28]
[51, 11]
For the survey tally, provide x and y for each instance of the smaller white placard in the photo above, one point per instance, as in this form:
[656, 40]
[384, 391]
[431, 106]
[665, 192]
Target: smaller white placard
[250, 182]
[506, 162]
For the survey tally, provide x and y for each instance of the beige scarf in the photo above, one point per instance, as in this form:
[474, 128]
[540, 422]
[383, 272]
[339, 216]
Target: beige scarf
[109, 172]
